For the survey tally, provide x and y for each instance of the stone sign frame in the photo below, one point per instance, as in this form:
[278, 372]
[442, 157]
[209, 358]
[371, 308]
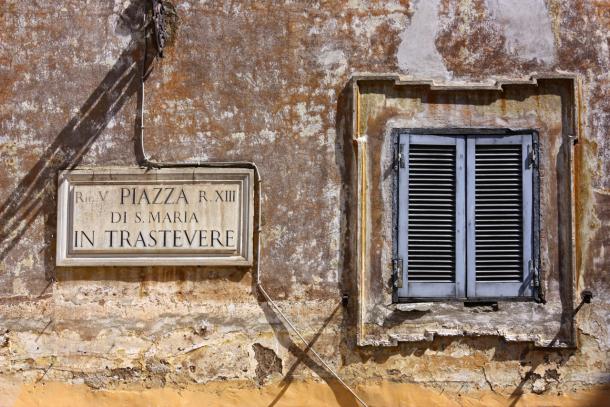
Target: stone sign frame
[243, 177]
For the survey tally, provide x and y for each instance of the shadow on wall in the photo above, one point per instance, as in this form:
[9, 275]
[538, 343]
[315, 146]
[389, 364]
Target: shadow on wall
[302, 357]
[36, 192]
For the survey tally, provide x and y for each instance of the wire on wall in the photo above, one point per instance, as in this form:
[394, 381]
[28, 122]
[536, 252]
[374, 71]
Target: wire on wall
[146, 162]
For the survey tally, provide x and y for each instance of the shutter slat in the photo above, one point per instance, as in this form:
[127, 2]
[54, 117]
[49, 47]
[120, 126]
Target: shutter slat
[497, 166]
[498, 211]
[424, 198]
[431, 213]
[491, 191]
[428, 204]
[422, 248]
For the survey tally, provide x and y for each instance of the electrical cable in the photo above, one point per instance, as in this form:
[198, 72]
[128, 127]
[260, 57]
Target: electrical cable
[146, 162]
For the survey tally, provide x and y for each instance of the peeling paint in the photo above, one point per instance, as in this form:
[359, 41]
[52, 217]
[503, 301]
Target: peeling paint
[527, 29]
[417, 53]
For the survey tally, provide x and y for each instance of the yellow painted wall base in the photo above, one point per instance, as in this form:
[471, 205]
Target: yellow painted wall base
[228, 394]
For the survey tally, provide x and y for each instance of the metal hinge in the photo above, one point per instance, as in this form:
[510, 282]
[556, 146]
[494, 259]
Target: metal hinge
[532, 156]
[397, 272]
[399, 160]
[535, 273]
[573, 138]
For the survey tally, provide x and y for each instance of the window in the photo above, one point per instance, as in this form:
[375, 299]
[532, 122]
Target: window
[466, 216]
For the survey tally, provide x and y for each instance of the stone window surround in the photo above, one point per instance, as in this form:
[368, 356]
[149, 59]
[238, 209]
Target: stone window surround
[380, 321]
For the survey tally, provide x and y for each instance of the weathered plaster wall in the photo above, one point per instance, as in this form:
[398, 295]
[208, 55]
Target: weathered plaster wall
[265, 82]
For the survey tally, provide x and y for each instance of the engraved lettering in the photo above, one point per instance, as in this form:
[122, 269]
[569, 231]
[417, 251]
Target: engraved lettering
[140, 239]
[116, 217]
[171, 191]
[229, 237]
[156, 200]
[135, 217]
[215, 237]
[182, 196]
[111, 234]
[153, 236]
[143, 197]
[125, 238]
[177, 239]
[124, 195]
[203, 236]
[189, 238]
[165, 232]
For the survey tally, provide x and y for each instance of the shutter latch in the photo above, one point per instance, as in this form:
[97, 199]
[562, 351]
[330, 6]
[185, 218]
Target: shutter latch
[532, 157]
[399, 160]
[397, 272]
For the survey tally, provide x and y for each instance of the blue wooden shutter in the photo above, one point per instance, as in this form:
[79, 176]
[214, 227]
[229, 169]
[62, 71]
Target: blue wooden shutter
[431, 217]
[499, 216]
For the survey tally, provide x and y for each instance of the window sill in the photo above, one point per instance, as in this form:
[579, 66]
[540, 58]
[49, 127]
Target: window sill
[474, 307]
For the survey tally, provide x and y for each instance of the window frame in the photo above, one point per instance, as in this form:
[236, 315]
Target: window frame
[466, 288]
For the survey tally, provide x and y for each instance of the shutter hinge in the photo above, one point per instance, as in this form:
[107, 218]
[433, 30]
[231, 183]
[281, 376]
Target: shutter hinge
[397, 272]
[532, 156]
[535, 273]
[573, 138]
[399, 160]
